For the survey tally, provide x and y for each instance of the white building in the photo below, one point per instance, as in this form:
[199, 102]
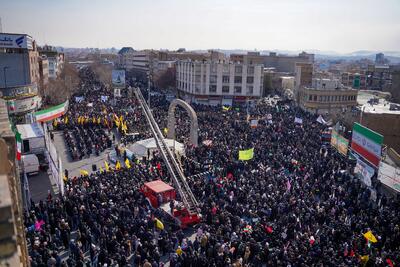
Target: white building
[219, 82]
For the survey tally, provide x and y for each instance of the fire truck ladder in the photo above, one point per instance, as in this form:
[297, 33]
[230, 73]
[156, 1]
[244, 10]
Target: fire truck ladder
[174, 169]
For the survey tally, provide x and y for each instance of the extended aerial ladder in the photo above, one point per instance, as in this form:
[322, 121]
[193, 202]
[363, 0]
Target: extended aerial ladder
[177, 175]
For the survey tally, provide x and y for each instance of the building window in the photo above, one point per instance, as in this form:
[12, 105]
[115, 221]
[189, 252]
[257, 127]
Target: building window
[328, 98]
[225, 89]
[309, 97]
[249, 90]
[225, 79]
[238, 79]
[225, 68]
[238, 89]
[214, 68]
[250, 70]
[250, 79]
[213, 78]
[315, 97]
[213, 88]
[238, 69]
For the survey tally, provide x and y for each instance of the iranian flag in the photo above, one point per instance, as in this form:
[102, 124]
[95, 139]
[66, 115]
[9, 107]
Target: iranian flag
[52, 113]
[19, 145]
[11, 105]
[367, 143]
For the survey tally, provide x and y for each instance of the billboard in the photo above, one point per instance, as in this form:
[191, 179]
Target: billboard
[389, 176]
[339, 142]
[118, 77]
[364, 171]
[367, 144]
[24, 105]
[15, 41]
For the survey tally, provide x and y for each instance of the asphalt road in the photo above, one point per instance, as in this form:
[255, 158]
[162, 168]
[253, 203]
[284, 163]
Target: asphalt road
[74, 167]
[39, 186]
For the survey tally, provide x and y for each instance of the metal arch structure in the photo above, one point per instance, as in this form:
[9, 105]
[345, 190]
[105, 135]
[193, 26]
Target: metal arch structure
[194, 125]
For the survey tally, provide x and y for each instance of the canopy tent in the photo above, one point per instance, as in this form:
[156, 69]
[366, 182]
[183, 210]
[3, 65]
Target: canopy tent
[146, 147]
[158, 186]
[29, 131]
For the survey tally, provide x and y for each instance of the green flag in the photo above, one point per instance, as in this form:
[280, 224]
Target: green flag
[246, 154]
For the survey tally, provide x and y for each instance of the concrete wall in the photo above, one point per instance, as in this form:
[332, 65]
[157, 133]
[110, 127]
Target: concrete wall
[386, 124]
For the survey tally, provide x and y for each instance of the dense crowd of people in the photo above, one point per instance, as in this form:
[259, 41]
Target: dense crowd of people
[295, 203]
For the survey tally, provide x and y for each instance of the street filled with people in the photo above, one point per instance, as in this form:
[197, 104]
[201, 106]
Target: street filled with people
[294, 202]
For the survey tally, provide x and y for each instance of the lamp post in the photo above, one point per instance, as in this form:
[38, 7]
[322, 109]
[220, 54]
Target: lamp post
[5, 77]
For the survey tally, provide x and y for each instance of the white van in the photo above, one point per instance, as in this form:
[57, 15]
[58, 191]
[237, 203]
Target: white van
[30, 164]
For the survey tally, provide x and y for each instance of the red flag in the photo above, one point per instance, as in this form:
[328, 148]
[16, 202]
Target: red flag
[351, 253]
[158, 166]
[389, 262]
[268, 229]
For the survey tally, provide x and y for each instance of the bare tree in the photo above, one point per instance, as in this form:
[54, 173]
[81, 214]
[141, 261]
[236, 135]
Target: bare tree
[103, 72]
[60, 89]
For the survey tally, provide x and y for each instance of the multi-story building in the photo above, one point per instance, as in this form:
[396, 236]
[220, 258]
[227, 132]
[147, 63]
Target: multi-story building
[286, 63]
[43, 71]
[356, 80]
[326, 96]
[55, 58]
[379, 77]
[380, 59]
[303, 77]
[394, 89]
[218, 82]
[13, 248]
[281, 63]
[19, 72]
[142, 61]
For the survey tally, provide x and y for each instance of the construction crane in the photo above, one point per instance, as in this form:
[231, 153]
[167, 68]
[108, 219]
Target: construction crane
[189, 201]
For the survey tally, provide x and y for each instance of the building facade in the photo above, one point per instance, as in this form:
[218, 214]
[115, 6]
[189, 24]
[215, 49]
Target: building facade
[19, 73]
[326, 96]
[379, 77]
[43, 71]
[354, 80]
[55, 59]
[218, 82]
[286, 63]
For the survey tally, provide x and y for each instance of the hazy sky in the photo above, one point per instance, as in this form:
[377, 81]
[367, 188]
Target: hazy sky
[333, 25]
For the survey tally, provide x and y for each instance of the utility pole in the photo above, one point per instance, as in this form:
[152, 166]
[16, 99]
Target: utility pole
[5, 77]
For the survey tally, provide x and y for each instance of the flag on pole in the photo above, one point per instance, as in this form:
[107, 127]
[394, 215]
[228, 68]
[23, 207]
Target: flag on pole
[19, 145]
[66, 119]
[165, 131]
[298, 120]
[370, 236]
[127, 163]
[364, 259]
[159, 224]
[225, 108]
[288, 185]
[101, 169]
[118, 165]
[246, 154]
[106, 166]
[84, 172]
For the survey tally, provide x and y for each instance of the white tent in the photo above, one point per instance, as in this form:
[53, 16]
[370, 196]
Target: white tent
[145, 147]
[32, 138]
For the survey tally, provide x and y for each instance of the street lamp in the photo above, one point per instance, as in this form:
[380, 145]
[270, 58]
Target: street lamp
[5, 77]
